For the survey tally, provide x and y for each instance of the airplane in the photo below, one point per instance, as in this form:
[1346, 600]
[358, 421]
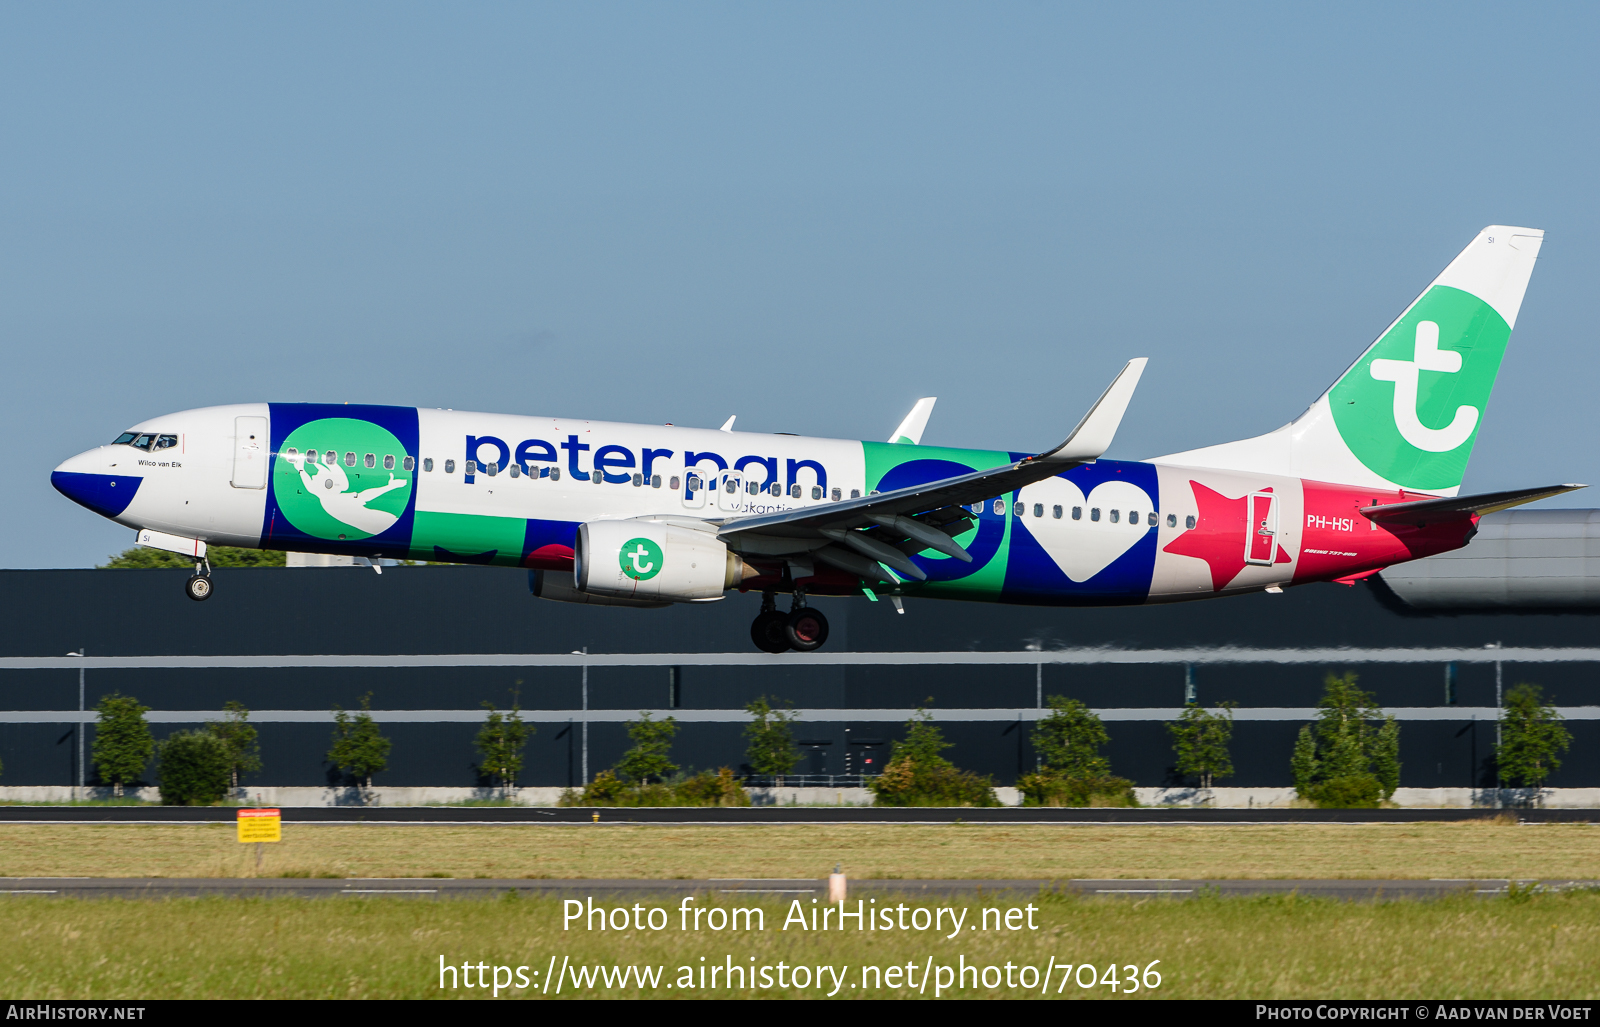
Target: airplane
[645, 516]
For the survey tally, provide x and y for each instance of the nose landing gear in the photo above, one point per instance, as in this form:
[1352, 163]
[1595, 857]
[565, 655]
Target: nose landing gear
[198, 587]
[802, 629]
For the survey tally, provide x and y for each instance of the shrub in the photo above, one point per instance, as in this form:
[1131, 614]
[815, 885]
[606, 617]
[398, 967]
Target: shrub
[905, 782]
[122, 740]
[1533, 737]
[1356, 791]
[1352, 739]
[358, 746]
[771, 749]
[195, 768]
[1049, 789]
[649, 759]
[703, 789]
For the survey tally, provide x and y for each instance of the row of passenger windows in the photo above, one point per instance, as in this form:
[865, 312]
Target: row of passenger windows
[369, 460]
[796, 490]
[1057, 512]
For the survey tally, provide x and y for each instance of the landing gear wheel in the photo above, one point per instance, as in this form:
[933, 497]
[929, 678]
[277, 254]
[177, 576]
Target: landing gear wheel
[198, 588]
[767, 631]
[805, 629]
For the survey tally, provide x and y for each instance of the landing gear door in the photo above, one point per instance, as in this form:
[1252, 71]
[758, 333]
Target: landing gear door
[730, 491]
[250, 452]
[1261, 541]
[696, 486]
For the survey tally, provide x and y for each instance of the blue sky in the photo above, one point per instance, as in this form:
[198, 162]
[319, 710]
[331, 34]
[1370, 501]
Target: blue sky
[806, 214]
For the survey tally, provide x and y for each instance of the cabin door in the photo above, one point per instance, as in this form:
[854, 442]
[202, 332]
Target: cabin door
[1261, 541]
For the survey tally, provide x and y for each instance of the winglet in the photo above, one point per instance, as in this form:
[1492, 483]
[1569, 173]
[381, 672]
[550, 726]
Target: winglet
[910, 430]
[728, 424]
[1093, 435]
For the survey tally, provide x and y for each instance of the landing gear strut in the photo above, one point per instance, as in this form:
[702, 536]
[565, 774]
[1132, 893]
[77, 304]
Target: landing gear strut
[198, 587]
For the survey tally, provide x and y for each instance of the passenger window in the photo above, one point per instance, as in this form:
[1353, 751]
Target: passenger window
[730, 486]
[694, 482]
[597, 476]
[388, 461]
[1000, 507]
[516, 470]
[794, 491]
[638, 481]
[816, 492]
[330, 458]
[855, 493]
[1019, 509]
[555, 474]
[349, 459]
[777, 489]
[673, 484]
[1150, 518]
[836, 495]
[1055, 511]
[1077, 513]
[1188, 522]
[1115, 514]
[371, 461]
[409, 464]
[291, 451]
[1172, 520]
[1094, 513]
[655, 481]
[427, 464]
[166, 441]
[1038, 509]
[472, 467]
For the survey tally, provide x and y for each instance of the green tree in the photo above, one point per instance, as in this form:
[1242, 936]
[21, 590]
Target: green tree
[923, 744]
[1532, 737]
[500, 741]
[1351, 756]
[1200, 740]
[238, 737]
[358, 746]
[1068, 741]
[649, 759]
[142, 558]
[122, 741]
[771, 750]
[194, 768]
[917, 773]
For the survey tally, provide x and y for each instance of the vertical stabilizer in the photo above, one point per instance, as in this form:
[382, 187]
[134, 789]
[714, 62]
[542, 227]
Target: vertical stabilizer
[1407, 413]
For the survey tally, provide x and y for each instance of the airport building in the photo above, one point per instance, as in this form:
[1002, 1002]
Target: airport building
[1435, 641]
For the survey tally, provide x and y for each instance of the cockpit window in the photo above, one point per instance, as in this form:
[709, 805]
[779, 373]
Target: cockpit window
[125, 438]
[166, 441]
[143, 441]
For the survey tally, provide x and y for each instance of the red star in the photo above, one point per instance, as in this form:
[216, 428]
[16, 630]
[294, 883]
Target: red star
[1218, 536]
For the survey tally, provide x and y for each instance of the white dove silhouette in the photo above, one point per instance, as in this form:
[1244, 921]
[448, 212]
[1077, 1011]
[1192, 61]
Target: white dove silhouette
[339, 503]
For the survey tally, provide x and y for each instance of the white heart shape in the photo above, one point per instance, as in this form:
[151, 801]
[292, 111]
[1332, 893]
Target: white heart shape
[1083, 548]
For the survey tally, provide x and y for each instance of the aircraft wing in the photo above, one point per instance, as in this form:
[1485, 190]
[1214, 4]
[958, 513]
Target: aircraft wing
[1426, 511]
[910, 520]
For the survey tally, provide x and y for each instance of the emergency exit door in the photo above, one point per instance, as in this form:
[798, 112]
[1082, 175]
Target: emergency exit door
[1261, 542]
[250, 452]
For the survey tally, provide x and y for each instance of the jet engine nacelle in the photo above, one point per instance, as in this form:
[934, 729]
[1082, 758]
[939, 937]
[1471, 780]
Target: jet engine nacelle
[654, 560]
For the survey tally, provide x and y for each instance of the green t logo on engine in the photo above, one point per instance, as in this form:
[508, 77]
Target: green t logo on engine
[640, 559]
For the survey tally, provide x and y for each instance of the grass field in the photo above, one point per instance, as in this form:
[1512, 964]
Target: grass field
[1545, 946]
[1470, 849]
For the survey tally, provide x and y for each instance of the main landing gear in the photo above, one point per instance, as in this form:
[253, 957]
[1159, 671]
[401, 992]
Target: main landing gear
[802, 629]
[198, 587]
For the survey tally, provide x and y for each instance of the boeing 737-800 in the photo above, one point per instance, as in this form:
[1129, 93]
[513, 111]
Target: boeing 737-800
[647, 515]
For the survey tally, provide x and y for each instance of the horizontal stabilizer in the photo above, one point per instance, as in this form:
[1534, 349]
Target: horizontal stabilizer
[1423, 511]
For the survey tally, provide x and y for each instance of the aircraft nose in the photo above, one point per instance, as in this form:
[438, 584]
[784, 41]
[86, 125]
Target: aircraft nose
[83, 480]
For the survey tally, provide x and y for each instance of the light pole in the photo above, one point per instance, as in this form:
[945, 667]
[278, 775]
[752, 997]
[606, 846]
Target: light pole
[77, 793]
[583, 769]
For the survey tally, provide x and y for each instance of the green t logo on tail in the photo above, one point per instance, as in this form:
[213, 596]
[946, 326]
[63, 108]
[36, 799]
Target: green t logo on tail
[1411, 406]
[640, 559]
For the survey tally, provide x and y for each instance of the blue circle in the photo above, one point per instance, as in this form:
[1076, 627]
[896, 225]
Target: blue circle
[991, 526]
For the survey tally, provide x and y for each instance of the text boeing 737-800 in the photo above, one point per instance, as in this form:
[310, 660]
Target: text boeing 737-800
[645, 515]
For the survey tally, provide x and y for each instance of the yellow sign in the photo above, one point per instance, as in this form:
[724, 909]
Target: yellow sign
[260, 825]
